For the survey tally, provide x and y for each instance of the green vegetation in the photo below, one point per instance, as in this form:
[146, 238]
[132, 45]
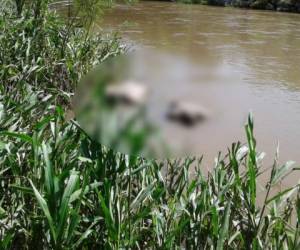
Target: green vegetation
[205, 2]
[59, 189]
[279, 5]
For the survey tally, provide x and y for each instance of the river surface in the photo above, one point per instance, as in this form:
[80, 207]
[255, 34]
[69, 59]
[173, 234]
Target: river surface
[232, 61]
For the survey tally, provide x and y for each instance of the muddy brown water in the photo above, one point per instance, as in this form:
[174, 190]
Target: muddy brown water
[231, 61]
[254, 57]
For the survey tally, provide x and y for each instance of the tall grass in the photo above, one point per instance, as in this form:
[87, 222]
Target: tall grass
[59, 189]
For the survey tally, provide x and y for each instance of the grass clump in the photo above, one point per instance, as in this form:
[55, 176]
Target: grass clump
[59, 189]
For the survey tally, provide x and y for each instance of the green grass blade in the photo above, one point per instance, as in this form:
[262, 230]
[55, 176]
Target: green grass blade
[43, 204]
[65, 201]
[225, 227]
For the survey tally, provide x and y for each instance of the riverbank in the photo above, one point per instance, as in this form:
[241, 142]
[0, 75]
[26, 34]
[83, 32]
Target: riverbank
[59, 189]
[275, 5]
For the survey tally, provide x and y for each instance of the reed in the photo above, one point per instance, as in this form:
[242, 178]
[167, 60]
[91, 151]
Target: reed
[59, 189]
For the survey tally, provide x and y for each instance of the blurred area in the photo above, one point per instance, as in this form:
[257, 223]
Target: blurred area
[141, 107]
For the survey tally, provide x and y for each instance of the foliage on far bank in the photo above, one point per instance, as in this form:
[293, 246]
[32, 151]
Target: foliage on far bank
[277, 5]
[59, 189]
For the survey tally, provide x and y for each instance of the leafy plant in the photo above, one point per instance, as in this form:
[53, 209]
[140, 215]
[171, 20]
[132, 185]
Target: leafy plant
[59, 189]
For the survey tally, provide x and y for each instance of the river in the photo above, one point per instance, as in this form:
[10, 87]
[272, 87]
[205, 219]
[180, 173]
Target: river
[254, 62]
